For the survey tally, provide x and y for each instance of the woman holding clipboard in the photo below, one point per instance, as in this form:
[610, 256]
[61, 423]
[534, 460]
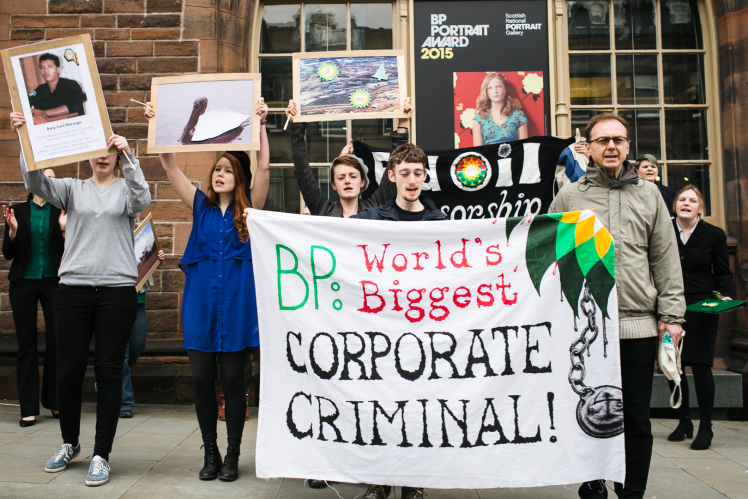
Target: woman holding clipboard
[706, 269]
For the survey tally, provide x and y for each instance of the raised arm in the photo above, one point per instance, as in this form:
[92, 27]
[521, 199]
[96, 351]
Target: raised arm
[261, 181]
[138, 193]
[399, 136]
[179, 181]
[315, 200]
[53, 190]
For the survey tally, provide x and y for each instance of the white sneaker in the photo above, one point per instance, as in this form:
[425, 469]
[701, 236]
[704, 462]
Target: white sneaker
[98, 472]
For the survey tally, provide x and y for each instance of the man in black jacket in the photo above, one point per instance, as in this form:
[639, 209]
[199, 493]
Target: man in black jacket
[58, 97]
[407, 169]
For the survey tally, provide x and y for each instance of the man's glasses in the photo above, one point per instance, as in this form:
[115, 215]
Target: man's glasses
[604, 141]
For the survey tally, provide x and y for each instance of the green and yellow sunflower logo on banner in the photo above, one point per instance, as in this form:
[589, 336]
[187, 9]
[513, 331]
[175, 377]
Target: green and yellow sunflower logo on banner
[581, 247]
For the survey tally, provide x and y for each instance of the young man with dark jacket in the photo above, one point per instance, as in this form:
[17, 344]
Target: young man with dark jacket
[407, 169]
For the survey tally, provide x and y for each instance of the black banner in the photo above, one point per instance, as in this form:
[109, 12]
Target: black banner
[496, 181]
[455, 39]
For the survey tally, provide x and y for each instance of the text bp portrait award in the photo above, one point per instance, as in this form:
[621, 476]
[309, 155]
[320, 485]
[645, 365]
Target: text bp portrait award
[57, 88]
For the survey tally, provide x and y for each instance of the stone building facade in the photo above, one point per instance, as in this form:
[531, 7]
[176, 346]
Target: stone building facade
[136, 40]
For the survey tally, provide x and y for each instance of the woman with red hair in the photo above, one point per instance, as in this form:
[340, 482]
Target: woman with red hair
[498, 115]
[219, 309]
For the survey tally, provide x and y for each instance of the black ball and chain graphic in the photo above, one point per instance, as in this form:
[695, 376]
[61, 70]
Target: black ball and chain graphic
[600, 409]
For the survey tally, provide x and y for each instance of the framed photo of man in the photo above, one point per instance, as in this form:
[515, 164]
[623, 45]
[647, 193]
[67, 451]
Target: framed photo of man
[146, 251]
[349, 84]
[56, 86]
[208, 112]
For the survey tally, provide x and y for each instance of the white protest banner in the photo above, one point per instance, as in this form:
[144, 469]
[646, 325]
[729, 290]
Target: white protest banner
[457, 354]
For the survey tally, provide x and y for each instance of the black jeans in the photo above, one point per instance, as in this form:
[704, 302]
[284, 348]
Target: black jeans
[637, 374]
[79, 311]
[203, 365]
[23, 300]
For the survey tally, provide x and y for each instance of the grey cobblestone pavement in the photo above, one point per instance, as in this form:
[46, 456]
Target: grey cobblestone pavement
[157, 455]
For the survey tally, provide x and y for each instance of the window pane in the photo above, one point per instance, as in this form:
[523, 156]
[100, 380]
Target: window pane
[644, 125]
[686, 134]
[284, 195]
[679, 176]
[590, 79]
[684, 78]
[580, 118]
[280, 31]
[635, 24]
[325, 27]
[371, 26]
[374, 132]
[589, 25]
[276, 86]
[325, 140]
[278, 139]
[637, 79]
[681, 24]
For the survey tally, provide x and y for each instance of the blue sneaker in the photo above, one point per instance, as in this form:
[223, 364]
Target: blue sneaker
[98, 472]
[60, 461]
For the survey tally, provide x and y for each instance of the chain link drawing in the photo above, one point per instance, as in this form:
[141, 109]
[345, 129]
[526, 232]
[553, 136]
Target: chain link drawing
[600, 409]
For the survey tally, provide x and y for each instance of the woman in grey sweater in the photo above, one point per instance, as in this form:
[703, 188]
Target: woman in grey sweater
[96, 291]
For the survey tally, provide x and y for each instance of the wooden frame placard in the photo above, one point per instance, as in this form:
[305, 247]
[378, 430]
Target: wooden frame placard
[58, 134]
[203, 105]
[149, 262]
[357, 84]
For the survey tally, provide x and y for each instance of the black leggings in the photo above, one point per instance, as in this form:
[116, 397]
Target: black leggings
[703, 381]
[79, 311]
[203, 366]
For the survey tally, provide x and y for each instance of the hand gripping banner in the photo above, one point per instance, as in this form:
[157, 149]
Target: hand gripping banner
[460, 354]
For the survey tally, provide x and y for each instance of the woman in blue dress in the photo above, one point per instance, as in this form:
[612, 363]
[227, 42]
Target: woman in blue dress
[219, 310]
[498, 115]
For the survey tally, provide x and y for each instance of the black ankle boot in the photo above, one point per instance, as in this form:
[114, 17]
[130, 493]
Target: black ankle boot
[212, 463]
[683, 430]
[230, 470]
[703, 438]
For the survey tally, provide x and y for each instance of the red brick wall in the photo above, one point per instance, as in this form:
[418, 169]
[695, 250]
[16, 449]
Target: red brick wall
[134, 41]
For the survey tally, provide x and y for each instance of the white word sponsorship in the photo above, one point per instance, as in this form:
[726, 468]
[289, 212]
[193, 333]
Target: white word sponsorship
[437, 354]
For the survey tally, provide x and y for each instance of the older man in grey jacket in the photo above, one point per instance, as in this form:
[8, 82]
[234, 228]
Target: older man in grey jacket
[648, 279]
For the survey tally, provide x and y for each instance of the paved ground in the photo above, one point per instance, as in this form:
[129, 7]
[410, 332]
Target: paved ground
[157, 455]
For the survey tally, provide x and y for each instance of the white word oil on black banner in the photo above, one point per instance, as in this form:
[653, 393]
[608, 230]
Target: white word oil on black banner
[438, 354]
[512, 179]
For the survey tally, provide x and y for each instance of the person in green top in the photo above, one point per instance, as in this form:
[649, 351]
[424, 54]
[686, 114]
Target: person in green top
[34, 243]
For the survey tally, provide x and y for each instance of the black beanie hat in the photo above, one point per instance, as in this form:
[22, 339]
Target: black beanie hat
[243, 159]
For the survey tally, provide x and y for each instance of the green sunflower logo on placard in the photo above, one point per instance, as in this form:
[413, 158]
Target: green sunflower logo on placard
[581, 247]
[360, 98]
[328, 71]
[470, 171]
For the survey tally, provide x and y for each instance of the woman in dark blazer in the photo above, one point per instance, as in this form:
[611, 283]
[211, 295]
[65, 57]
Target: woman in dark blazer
[34, 242]
[706, 268]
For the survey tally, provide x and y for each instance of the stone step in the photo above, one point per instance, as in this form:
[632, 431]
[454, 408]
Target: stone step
[728, 393]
